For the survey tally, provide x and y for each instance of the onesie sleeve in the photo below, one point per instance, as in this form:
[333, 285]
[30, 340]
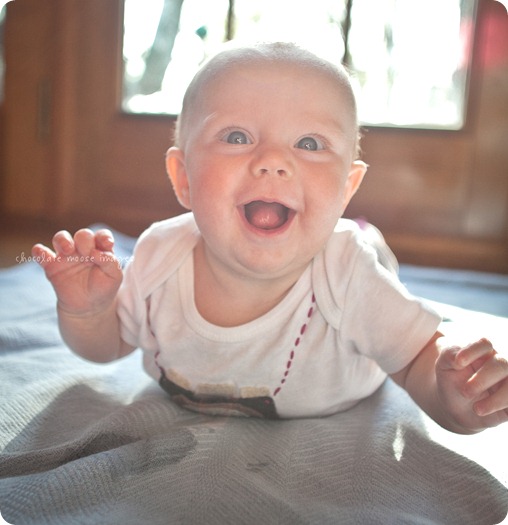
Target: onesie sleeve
[382, 319]
[133, 307]
[370, 309]
[157, 255]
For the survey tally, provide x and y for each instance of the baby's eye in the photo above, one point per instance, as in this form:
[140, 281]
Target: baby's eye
[237, 137]
[310, 144]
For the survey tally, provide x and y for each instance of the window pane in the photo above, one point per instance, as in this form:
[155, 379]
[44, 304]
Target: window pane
[158, 65]
[317, 27]
[410, 60]
[192, 30]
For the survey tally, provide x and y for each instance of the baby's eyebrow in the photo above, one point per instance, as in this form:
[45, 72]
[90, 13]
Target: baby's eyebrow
[343, 121]
[337, 123]
[209, 118]
[219, 119]
[346, 125]
[332, 128]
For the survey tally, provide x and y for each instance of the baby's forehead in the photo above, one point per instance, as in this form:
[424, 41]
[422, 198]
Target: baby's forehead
[229, 66]
[249, 62]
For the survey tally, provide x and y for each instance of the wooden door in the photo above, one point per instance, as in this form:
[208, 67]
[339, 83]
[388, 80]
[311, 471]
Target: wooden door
[72, 156]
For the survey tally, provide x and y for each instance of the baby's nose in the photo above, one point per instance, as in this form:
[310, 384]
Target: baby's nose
[272, 161]
[281, 172]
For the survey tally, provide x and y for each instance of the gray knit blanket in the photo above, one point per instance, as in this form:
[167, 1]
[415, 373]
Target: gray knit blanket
[83, 444]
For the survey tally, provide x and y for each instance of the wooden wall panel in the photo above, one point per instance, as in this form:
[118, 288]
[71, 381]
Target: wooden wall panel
[138, 189]
[441, 198]
[27, 105]
[415, 183]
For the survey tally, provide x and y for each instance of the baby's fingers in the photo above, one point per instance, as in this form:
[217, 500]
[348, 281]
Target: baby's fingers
[103, 254]
[84, 241]
[475, 354]
[63, 243]
[108, 263]
[43, 255]
[495, 403]
[104, 240]
[489, 378]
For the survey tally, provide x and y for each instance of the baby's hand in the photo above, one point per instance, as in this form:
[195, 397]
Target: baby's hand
[473, 385]
[83, 270]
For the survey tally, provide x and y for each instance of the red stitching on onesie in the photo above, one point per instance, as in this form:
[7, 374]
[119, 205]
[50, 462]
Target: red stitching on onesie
[297, 342]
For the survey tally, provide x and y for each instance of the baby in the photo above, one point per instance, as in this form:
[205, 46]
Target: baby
[262, 300]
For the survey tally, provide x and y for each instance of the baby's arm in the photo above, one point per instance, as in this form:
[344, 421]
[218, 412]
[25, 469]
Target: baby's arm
[463, 389]
[86, 276]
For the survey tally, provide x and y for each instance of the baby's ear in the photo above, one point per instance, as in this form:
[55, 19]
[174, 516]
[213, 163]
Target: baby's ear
[355, 176]
[175, 167]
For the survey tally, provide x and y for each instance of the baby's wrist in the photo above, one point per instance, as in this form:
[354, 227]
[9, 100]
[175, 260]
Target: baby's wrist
[93, 312]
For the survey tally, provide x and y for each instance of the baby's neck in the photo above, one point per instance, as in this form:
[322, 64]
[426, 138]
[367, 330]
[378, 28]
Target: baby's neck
[227, 299]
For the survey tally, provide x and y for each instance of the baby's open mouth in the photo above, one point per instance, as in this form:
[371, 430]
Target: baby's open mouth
[266, 215]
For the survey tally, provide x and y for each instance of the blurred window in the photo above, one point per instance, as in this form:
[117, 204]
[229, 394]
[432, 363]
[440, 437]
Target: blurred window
[409, 59]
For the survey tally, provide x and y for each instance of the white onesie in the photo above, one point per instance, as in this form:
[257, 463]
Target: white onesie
[344, 325]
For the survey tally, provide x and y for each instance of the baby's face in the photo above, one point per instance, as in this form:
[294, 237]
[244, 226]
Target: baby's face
[268, 166]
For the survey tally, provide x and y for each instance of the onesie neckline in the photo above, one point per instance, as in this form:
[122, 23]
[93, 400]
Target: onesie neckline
[276, 317]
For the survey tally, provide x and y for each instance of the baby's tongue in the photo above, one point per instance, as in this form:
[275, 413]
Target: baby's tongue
[266, 215]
